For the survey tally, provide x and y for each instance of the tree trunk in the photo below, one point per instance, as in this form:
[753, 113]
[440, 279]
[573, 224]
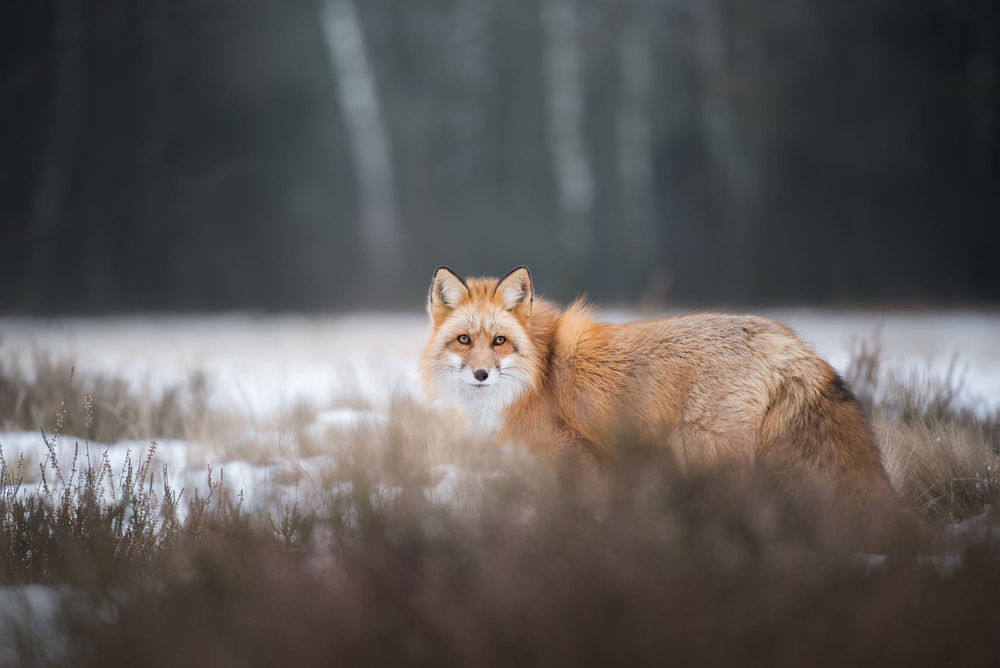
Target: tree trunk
[728, 148]
[151, 223]
[635, 137]
[57, 158]
[471, 71]
[342, 33]
[564, 88]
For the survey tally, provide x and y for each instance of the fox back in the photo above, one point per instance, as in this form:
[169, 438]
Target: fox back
[712, 387]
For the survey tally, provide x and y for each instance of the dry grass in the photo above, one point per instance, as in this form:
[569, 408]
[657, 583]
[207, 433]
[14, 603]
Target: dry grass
[51, 397]
[709, 569]
[941, 456]
[422, 547]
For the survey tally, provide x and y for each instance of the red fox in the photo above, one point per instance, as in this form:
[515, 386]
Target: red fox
[713, 387]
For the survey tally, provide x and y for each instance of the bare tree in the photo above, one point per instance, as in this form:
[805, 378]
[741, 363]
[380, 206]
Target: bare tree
[149, 226]
[471, 71]
[564, 88]
[730, 144]
[635, 133]
[64, 114]
[983, 79]
[358, 95]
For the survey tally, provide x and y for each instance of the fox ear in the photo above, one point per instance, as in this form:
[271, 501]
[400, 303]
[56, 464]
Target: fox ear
[448, 290]
[515, 291]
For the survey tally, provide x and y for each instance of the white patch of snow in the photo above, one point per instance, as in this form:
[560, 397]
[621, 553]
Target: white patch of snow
[30, 613]
[262, 365]
[446, 489]
[917, 341]
[257, 364]
[348, 418]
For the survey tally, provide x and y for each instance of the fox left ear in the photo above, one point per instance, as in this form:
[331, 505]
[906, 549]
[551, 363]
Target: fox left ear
[515, 291]
[447, 292]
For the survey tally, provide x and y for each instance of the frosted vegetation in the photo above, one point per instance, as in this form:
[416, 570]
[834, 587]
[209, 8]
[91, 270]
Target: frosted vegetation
[252, 490]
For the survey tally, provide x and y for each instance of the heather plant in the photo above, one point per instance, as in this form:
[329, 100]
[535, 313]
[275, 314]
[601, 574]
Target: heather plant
[97, 407]
[941, 453]
[418, 544]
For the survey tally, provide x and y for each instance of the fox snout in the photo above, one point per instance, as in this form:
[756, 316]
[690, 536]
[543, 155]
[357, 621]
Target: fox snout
[479, 360]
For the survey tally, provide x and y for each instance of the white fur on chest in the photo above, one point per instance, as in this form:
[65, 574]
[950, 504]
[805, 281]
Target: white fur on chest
[483, 407]
[484, 413]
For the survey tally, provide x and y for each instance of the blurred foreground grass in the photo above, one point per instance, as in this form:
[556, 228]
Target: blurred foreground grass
[422, 546]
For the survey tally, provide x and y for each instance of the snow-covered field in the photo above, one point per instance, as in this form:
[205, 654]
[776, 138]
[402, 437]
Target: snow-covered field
[264, 363]
[260, 366]
[348, 368]
[254, 363]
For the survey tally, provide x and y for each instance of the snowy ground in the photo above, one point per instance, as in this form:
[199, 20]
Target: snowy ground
[254, 363]
[262, 365]
[919, 340]
[265, 363]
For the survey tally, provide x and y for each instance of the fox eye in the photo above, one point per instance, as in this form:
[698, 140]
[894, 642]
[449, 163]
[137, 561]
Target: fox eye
[464, 339]
[499, 340]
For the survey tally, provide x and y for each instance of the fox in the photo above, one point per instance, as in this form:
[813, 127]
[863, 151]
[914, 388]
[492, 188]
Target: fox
[714, 388]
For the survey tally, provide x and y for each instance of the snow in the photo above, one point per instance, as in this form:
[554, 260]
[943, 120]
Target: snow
[348, 418]
[254, 363]
[188, 465]
[351, 366]
[261, 363]
[912, 340]
[29, 617]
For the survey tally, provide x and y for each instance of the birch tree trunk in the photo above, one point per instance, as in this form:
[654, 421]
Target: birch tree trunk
[469, 44]
[729, 148]
[57, 158]
[358, 96]
[717, 126]
[635, 135]
[564, 88]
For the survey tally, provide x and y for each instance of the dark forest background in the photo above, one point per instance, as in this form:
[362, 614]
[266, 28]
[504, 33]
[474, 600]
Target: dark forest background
[326, 154]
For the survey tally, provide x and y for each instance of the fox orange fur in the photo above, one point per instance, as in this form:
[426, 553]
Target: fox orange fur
[713, 387]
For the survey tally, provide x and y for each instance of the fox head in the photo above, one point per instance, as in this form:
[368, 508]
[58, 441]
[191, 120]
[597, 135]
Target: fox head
[480, 356]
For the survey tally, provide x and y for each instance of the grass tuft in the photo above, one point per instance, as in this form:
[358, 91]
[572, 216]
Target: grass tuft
[50, 395]
[419, 545]
[942, 455]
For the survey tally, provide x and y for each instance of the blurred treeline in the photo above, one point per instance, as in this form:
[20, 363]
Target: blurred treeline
[300, 154]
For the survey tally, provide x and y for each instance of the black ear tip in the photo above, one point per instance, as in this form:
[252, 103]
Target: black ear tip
[526, 285]
[515, 270]
[527, 271]
[451, 271]
[530, 280]
[445, 268]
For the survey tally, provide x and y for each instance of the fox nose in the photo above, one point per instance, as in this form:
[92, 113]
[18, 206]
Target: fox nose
[480, 374]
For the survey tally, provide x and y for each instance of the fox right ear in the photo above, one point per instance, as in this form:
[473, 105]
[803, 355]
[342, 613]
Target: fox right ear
[515, 291]
[448, 290]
